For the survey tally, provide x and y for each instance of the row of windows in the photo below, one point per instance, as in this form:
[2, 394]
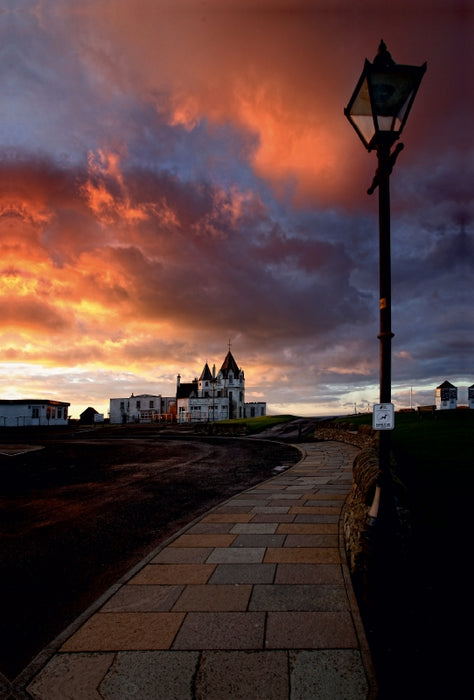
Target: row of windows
[58, 412]
[151, 404]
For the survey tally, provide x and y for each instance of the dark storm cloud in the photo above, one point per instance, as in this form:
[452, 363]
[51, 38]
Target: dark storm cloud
[170, 179]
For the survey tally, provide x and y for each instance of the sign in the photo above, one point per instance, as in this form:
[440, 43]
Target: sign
[383, 416]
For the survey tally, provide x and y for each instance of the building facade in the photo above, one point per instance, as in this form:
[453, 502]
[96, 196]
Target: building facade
[143, 408]
[212, 397]
[16, 413]
[253, 409]
[446, 396]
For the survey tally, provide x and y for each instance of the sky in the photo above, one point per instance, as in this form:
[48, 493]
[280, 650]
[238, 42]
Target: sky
[178, 175]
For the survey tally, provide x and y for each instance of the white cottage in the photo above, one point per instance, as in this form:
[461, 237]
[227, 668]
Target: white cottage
[446, 396]
[15, 413]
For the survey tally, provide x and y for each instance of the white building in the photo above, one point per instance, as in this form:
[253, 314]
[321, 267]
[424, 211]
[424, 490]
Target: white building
[143, 408]
[446, 396]
[253, 409]
[470, 396]
[212, 397]
[31, 412]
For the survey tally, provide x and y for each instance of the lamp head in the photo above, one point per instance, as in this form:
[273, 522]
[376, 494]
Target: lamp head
[381, 102]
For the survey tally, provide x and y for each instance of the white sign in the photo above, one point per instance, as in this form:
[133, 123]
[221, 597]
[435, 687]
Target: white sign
[383, 417]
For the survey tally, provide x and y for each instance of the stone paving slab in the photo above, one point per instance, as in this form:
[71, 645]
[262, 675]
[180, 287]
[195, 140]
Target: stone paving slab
[259, 541]
[310, 630]
[252, 600]
[221, 630]
[125, 630]
[243, 573]
[213, 598]
[144, 599]
[169, 574]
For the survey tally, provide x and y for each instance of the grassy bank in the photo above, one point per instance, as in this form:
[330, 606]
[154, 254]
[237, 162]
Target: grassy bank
[415, 618]
[434, 456]
[258, 424]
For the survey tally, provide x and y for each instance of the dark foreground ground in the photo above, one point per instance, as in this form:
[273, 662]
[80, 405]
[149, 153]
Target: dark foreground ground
[81, 511]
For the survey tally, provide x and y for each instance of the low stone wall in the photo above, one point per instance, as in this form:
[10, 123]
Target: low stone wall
[365, 471]
[360, 436]
[222, 429]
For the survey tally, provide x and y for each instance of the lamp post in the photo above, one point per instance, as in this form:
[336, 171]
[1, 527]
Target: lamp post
[378, 111]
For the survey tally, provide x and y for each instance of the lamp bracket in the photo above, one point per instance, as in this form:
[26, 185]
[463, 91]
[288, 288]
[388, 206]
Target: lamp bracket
[385, 167]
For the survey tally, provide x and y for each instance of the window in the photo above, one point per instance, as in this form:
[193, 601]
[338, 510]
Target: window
[152, 404]
[35, 412]
[138, 405]
[122, 405]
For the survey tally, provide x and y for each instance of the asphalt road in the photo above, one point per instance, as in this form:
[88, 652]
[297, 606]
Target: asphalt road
[81, 511]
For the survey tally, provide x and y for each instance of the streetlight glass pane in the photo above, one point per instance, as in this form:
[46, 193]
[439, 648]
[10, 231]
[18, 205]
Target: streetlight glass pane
[361, 104]
[365, 125]
[391, 93]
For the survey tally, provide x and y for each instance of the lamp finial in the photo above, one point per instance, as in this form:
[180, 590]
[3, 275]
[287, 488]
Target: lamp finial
[383, 58]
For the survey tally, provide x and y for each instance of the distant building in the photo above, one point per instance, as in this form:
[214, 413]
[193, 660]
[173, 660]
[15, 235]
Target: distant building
[470, 396]
[143, 408]
[253, 409]
[446, 396]
[212, 397]
[90, 415]
[30, 412]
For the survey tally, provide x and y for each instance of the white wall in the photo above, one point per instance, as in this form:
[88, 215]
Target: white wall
[33, 413]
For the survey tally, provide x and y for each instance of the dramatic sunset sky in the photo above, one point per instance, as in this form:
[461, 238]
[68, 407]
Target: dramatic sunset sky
[178, 173]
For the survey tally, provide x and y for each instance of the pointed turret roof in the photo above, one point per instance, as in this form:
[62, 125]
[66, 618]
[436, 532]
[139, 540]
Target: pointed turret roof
[205, 374]
[229, 364]
[446, 385]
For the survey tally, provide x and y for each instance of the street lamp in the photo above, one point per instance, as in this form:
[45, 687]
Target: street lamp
[378, 111]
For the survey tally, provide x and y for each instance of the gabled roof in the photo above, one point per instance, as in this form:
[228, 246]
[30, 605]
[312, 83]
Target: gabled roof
[229, 364]
[205, 374]
[185, 389]
[446, 385]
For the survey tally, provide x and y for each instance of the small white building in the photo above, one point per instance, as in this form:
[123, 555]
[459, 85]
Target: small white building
[470, 396]
[446, 396]
[253, 409]
[142, 408]
[15, 413]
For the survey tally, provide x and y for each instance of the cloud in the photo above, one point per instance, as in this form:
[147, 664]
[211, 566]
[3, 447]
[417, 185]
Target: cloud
[171, 178]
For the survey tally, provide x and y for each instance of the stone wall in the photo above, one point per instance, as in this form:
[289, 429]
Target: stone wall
[354, 518]
[360, 436]
[365, 471]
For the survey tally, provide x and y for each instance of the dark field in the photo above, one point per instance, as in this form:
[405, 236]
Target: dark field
[418, 609]
[79, 513]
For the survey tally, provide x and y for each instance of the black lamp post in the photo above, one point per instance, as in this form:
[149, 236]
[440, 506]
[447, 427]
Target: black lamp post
[378, 111]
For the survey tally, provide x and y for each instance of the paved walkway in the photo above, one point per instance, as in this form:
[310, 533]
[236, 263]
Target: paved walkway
[252, 601]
